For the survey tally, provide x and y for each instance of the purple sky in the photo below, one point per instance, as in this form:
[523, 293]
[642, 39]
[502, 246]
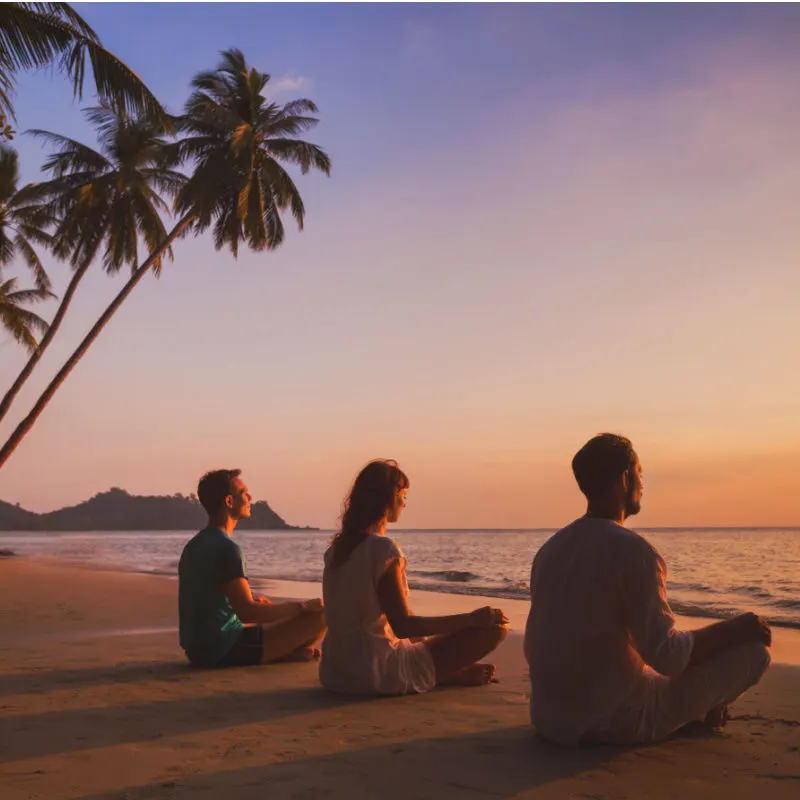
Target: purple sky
[542, 222]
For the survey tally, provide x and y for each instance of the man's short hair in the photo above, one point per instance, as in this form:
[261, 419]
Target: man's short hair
[598, 465]
[214, 487]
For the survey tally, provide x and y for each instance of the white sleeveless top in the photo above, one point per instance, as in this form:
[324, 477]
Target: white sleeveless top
[360, 653]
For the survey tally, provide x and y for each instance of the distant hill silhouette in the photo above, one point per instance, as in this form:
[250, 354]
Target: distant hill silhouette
[116, 510]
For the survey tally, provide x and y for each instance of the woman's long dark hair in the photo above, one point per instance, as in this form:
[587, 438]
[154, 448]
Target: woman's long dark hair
[372, 495]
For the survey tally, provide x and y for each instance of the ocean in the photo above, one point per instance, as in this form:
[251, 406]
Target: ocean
[713, 572]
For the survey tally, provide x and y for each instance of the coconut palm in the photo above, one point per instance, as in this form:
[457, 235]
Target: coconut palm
[105, 199]
[18, 321]
[34, 35]
[21, 227]
[235, 142]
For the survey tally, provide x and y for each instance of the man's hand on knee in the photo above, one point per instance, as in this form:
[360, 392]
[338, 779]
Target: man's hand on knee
[751, 627]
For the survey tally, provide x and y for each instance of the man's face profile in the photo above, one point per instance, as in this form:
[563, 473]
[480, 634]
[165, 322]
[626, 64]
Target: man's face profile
[633, 500]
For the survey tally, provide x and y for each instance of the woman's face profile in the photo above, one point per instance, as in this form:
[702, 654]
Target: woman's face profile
[397, 506]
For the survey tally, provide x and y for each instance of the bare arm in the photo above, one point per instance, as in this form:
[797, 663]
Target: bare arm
[406, 625]
[262, 611]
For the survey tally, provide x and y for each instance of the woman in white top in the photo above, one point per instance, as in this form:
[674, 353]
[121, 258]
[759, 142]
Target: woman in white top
[375, 645]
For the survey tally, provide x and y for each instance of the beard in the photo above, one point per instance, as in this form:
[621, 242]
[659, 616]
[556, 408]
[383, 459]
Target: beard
[632, 506]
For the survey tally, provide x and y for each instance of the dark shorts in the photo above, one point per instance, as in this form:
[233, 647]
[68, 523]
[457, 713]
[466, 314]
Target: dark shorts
[247, 650]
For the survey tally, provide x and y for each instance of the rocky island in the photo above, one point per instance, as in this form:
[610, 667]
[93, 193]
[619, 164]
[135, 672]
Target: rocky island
[117, 510]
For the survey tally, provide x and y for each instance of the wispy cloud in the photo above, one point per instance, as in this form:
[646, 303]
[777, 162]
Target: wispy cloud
[287, 84]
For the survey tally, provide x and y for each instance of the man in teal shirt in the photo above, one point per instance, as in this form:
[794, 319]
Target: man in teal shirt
[221, 623]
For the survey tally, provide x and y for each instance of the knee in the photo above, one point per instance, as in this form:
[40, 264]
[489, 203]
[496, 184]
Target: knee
[762, 658]
[758, 659]
[498, 633]
[317, 620]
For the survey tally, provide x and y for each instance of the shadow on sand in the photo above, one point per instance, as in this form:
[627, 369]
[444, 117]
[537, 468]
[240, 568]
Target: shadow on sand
[34, 681]
[498, 763]
[54, 732]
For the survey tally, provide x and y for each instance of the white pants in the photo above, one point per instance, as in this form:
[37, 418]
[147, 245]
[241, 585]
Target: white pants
[659, 706]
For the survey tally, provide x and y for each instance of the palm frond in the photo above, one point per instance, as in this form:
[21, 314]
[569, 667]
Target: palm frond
[31, 37]
[150, 225]
[6, 246]
[286, 125]
[9, 172]
[284, 190]
[35, 35]
[121, 246]
[71, 155]
[299, 107]
[20, 296]
[20, 322]
[14, 322]
[274, 225]
[29, 255]
[233, 63]
[167, 181]
[69, 15]
[228, 228]
[304, 154]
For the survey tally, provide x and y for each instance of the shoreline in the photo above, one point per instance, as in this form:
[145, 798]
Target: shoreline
[89, 715]
[785, 640]
[696, 589]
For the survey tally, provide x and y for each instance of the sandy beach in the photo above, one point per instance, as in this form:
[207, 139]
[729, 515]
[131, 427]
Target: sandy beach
[98, 701]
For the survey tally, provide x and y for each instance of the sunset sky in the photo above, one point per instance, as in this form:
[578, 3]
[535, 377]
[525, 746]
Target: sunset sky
[542, 222]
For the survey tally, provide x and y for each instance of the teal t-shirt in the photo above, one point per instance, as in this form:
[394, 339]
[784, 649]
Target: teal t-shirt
[208, 625]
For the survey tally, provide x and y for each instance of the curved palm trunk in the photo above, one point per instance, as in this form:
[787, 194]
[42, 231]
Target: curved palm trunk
[52, 329]
[27, 423]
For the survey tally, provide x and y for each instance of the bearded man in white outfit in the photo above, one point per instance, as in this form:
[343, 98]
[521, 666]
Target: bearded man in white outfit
[606, 662]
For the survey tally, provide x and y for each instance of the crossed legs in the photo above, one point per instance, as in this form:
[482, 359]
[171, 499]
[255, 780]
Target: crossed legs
[293, 639]
[663, 705]
[457, 656]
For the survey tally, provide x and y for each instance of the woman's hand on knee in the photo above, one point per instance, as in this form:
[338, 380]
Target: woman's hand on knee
[487, 617]
[315, 605]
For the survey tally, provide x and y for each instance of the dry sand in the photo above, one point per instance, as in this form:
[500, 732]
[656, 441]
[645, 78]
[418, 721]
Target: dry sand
[96, 700]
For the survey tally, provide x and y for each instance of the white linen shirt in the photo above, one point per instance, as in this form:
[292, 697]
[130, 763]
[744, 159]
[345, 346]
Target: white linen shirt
[599, 615]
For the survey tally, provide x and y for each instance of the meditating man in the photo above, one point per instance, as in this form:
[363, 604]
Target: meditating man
[221, 623]
[606, 662]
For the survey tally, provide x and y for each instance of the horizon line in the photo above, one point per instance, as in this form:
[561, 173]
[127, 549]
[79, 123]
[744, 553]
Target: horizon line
[556, 528]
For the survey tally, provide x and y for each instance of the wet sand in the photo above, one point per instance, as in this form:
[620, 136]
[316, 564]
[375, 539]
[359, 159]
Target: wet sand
[96, 700]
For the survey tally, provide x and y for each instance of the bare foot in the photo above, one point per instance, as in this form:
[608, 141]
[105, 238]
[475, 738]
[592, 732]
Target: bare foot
[714, 721]
[304, 654]
[717, 717]
[475, 675]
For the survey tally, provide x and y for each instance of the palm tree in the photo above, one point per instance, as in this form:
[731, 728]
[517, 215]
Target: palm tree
[18, 321]
[34, 35]
[236, 141]
[102, 199]
[20, 226]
